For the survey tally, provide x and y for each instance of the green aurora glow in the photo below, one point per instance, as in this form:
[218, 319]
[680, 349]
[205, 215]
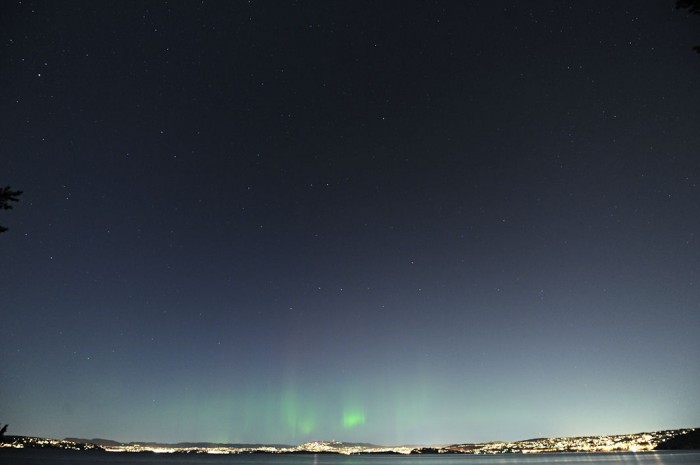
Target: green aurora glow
[353, 418]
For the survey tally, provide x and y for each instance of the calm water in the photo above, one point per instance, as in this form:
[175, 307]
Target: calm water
[49, 457]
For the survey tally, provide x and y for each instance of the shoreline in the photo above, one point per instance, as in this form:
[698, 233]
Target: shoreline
[680, 439]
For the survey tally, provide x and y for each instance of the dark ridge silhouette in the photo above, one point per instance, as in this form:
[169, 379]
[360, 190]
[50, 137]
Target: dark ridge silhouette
[96, 441]
[109, 442]
[688, 441]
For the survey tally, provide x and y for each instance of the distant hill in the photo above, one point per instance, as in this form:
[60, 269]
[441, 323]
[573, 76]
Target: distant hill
[678, 439]
[204, 445]
[690, 440]
[96, 441]
[183, 445]
[341, 444]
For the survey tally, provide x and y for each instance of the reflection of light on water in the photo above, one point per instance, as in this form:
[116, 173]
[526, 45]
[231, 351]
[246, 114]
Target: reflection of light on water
[657, 458]
[642, 457]
[574, 458]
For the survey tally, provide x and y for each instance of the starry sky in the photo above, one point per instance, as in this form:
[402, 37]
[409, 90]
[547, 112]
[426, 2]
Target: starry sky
[394, 222]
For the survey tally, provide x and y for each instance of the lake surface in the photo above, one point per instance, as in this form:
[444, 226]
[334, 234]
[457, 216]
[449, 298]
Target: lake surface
[61, 457]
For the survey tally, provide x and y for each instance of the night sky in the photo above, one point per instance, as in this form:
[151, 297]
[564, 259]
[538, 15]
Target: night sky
[382, 221]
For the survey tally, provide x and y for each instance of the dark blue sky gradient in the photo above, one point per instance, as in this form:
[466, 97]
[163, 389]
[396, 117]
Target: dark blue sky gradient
[392, 222]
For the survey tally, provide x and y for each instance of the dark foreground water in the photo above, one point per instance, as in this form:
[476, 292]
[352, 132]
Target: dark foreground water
[60, 457]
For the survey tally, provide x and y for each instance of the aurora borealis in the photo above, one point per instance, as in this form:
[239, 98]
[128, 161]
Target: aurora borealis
[365, 221]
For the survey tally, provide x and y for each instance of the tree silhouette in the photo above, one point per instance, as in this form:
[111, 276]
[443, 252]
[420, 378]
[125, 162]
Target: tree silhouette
[693, 7]
[6, 197]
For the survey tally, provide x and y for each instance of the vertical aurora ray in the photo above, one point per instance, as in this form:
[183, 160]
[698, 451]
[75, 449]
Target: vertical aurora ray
[298, 418]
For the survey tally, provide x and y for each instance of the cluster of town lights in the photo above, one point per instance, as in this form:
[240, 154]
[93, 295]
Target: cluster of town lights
[638, 442]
